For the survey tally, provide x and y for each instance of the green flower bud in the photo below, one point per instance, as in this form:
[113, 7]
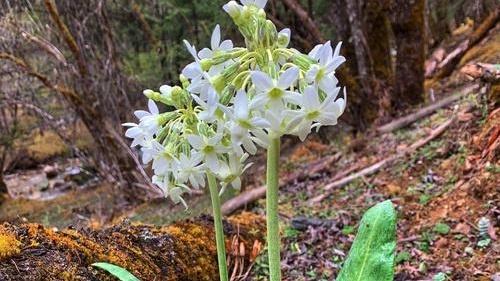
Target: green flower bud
[157, 97]
[206, 64]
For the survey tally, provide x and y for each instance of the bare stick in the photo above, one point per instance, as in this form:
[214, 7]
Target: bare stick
[407, 120]
[327, 190]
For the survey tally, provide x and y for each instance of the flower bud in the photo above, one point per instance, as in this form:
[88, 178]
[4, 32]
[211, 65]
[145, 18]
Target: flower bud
[284, 37]
[180, 97]
[206, 64]
[155, 96]
[233, 9]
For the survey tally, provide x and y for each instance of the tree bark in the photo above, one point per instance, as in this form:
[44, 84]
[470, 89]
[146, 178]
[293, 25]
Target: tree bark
[409, 32]
[3, 186]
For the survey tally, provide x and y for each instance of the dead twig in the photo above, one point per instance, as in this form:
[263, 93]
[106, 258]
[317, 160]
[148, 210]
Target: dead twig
[409, 119]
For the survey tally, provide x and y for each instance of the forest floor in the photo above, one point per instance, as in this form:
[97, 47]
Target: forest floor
[441, 192]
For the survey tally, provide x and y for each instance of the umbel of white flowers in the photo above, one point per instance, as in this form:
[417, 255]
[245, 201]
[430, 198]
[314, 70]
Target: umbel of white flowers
[233, 99]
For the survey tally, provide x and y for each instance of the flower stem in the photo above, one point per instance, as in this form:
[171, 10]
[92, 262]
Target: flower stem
[273, 235]
[219, 231]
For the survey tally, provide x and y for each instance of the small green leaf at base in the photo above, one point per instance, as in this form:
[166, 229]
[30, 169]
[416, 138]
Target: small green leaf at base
[371, 257]
[121, 273]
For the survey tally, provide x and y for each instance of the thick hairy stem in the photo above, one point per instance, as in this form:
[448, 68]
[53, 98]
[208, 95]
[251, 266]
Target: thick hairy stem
[273, 235]
[219, 231]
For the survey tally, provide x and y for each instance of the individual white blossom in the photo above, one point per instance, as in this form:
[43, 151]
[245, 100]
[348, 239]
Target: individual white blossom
[323, 73]
[312, 110]
[271, 92]
[216, 45]
[209, 148]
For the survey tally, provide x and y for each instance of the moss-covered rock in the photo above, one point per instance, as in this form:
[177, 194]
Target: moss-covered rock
[182, 251]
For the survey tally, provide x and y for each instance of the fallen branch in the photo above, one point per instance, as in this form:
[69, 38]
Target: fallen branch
[407, 120]
[327, 190]
[253, 194]
[447, 66]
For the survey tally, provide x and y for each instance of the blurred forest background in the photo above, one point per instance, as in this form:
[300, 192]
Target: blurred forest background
[71, 72]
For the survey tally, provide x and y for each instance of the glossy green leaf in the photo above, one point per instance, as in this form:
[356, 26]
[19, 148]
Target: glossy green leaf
[119, 272]
[371, 257]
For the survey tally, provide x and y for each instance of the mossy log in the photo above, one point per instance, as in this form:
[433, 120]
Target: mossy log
[182, 251]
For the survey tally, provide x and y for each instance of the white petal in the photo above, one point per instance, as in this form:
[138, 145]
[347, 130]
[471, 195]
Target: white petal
[262, 81]
[191, 49]
[141, 113]
[337, 49]
[212, 162]
[226, 45]
[165, 90]
[192, 70]
[260, 122]
[249, 146]
[325, 53]
[258, 101]
[215, 41]
[334, 64]
[288, 77]
[310, 100]
[303, 130]
[133, 132]
[261, 3]
[241, 105]
[328, 84]
[205, 53]
[152, 107]
[314, 52]
[195, 141]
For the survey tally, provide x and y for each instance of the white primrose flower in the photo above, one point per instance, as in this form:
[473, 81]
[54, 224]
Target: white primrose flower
[328, 61]
[209, 106]
[189, 168]
[139, 135]
[216, 45]
[170, 189]
[312, 110]
[230, 172]
[271, 92]
[242, 124]
[163, 161]
[209, 148]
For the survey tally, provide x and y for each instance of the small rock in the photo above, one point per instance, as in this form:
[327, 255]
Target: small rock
[462, 228]
[393, 189]
[442, 242]
[50, 171]
[496, 277]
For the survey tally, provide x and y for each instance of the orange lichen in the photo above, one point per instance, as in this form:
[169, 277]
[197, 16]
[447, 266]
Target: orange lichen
[9, 245]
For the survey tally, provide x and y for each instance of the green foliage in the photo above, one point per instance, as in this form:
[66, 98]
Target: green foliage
[119, 272]
[440, 277]
[402, 257]
[372, 253]
[441, 228]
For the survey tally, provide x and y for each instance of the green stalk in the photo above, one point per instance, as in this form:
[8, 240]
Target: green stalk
[273, 235]
[219, 231]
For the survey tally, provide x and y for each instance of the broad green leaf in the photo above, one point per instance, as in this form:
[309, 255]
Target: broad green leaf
[371, 257]
[119, 272]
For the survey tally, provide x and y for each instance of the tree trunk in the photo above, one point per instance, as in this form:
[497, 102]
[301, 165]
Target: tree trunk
[378, 32]
[3, 186]
[409, 32]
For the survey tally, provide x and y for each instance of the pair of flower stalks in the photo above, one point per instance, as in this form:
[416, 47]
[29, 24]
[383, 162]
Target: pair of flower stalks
[232, 100]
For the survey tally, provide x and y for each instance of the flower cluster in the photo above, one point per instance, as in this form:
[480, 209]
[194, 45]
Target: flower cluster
[234, 99]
